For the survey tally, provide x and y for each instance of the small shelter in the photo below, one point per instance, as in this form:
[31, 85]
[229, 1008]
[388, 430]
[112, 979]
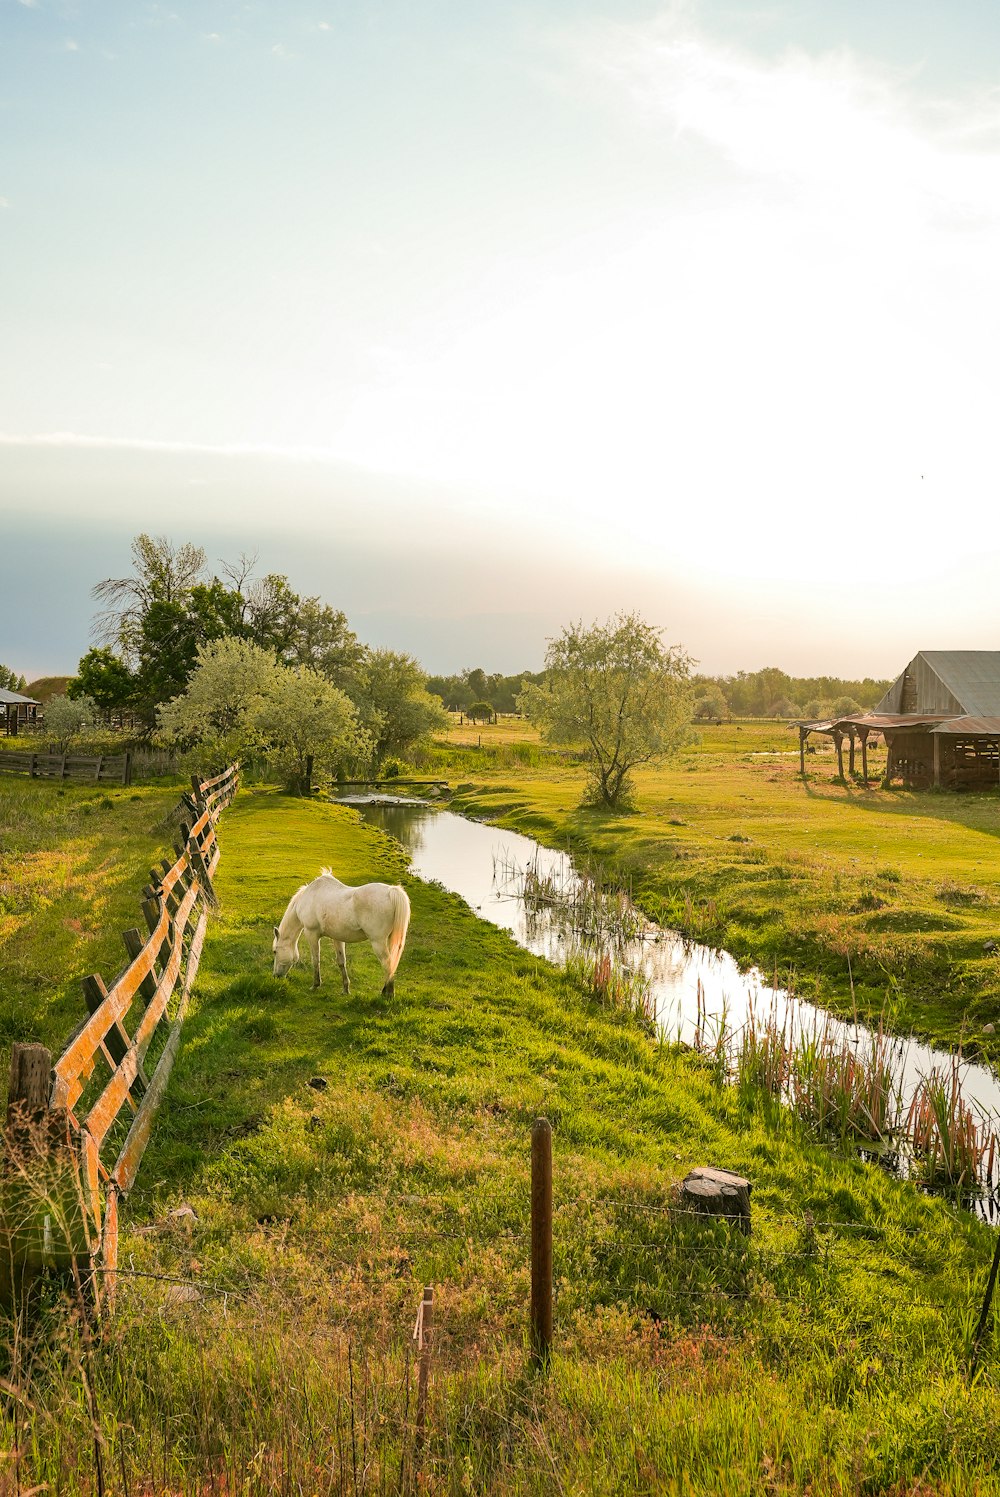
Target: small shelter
[17, 711]
[940, 720]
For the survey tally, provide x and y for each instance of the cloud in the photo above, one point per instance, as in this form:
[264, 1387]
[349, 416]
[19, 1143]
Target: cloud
[4, 203]
[70, 439]
[834, 129]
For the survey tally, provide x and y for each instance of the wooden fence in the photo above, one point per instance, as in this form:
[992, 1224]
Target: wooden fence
[77, 1129]
[106, 768]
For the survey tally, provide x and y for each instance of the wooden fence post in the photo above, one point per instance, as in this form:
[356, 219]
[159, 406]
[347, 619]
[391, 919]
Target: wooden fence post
[541, 1241]
[422, 1334]
[984, 1314]
[127, 768]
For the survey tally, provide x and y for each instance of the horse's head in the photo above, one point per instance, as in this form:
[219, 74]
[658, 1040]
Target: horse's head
[286, 953]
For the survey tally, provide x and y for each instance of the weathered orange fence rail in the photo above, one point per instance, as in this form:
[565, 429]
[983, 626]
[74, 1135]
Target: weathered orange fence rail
[101, 767]
[77, 1129]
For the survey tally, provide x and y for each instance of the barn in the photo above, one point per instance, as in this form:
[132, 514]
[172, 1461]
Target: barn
[940, 720]
[17, 711]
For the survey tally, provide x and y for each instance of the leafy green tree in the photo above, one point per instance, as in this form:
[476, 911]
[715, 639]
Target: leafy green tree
[9, 681]
[170, 635]
[616, 689]
[481, 712]
[162, 573]
[393, 703]
[105, 678]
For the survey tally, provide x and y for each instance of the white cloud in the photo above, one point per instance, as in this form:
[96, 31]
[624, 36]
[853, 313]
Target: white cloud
[4, 203]
[70, 45]
[832, 129]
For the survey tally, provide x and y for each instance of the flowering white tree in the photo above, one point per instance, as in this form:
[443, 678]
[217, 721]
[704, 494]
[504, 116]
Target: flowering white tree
[240, 700]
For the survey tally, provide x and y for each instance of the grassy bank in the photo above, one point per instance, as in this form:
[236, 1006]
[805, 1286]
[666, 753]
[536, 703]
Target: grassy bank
[73, 860]
[263, 1345]
[823, 881]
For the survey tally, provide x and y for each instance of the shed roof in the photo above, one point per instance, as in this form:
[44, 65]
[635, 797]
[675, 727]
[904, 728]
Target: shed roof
[15, 699]
[953, 682]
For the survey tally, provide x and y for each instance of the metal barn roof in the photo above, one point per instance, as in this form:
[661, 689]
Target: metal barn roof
[15, 699]
[953, 682]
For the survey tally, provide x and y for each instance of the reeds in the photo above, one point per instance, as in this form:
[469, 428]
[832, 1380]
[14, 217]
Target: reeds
[850, 1090]
[952, 1150]
[582, 902]
[612, 984]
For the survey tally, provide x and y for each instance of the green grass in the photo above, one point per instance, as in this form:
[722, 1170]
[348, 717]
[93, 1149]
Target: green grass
[73, 860]
[731, 846]
[826, 1354]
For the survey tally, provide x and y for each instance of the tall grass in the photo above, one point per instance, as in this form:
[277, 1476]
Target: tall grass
[951, 1149]
[853, 1093]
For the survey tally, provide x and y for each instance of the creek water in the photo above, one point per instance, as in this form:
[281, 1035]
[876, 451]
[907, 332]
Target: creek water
[693, 988]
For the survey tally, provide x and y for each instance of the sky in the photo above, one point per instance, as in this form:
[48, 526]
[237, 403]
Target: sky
[478, 317]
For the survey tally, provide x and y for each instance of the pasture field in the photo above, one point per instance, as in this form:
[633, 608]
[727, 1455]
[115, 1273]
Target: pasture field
[819, 881]
[263, 1346]
[73, 860]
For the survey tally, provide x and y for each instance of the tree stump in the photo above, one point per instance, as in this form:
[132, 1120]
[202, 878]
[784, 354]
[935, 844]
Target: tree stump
[715, 1192]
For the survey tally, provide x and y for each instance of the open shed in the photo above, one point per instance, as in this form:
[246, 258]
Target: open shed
[17, 711]
[940, 720]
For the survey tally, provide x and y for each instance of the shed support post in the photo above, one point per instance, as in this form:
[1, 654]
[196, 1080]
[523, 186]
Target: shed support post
[850, 762]
[936, 740]
[864, 754]
[838, 739]
[802, 750]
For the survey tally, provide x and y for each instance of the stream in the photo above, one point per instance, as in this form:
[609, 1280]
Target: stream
[687, 981]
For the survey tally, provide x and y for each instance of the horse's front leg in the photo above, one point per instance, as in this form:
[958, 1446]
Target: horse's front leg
[313, 940]
[341, 951]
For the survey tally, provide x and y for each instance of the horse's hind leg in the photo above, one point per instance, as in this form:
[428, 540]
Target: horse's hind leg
[381, 950]
[314, 951]
[341, 951]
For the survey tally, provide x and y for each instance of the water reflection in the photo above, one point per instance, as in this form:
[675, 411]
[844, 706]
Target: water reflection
[692, 987]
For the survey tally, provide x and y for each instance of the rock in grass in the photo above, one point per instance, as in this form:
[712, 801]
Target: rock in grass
[713, 1192]
[318, 1083]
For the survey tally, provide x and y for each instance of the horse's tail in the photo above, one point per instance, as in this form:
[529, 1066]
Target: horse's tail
[400, 923]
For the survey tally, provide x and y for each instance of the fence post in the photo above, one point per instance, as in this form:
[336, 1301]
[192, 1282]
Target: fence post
[541, 1241]
[127, 768]
[985, 1312]
[423, 1333]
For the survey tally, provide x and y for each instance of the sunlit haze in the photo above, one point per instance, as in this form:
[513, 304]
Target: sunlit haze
[475, 318]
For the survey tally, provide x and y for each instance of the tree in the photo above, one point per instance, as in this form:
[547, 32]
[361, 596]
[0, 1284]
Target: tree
[221, 704]
[304, 719]
[710, 703]
[10, 680]
[619, 691]
[163, 573]
[393, 702]
[240, 700]
[66, 718]
[480, 712]
[105, 678]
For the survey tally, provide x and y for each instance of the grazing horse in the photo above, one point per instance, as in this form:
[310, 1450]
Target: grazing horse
[379, 913]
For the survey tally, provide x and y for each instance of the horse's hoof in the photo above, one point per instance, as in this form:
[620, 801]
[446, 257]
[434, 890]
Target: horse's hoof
[389, 991]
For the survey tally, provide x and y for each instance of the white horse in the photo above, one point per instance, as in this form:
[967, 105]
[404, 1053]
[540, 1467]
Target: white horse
[379, 913]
